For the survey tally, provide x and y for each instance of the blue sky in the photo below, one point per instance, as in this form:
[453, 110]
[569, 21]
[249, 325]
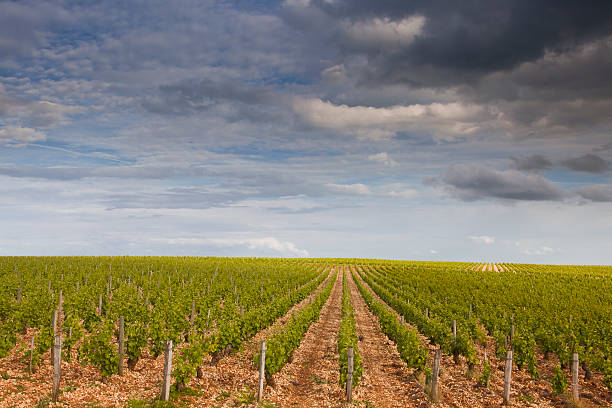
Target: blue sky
[402, 130]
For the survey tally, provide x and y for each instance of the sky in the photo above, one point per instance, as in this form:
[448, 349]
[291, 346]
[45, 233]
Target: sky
[454, 131]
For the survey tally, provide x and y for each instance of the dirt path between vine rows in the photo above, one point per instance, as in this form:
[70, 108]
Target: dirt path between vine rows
[386, 380]
[234, 378]
[311, 378]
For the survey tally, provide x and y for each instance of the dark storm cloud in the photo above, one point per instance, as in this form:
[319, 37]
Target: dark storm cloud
[604, 148]
[589, 163]
[596, 193]
[471, 38]
[475, 182]
[535, 163]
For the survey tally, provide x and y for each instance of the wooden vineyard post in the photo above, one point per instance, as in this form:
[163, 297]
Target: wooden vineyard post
[454, 329]
[241, 312]
[165, 391]
[507, 377]
[100, 305]
[19, 294]
[121, 341]
[57, 365]
[53, 327]
[60, 305]
[192, 317]
[54, 322]
[262, 371]
[31, 356]
[349, 377]
[575, 390]
[488, 377]
[435, 396]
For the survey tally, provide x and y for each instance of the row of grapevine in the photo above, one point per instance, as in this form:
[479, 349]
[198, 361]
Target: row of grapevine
[190, 358]
[558, 310]
[409, 346]
[282, 343]
[208, 302]
[436, 324]
[347, 337]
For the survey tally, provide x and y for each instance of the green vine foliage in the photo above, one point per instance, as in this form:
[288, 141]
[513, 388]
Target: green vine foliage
[524, 352]
[135, 342]
[608, 373]
[8, 339]
[158, 334]
[68, 343]
[559, 381]
[464, 346]
[486, 374]
[500, 345]
[190, 358]
[42, 344]
[99, 350]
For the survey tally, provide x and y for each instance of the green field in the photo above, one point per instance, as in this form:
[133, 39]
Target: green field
[212, 306]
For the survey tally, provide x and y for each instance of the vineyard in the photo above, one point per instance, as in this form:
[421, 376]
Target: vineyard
[180, 332]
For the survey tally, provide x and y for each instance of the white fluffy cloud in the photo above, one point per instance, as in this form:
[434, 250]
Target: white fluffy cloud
[382, 158]
[272, 243]
[482, 239]
[444, 119]
[265, 243]
[19, 136]
[35, 113]
[540, 251]
[383, 32]
[357, 188]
